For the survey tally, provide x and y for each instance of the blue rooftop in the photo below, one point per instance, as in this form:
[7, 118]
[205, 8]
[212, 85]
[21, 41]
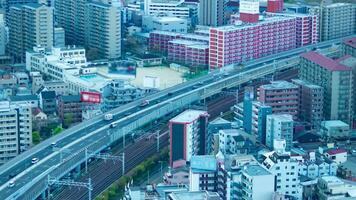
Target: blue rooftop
[256, 170]
[204, 163]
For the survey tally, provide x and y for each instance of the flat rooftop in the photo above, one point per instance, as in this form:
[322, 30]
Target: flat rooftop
[256, 170]
[266, 20]
[205, 163]
[201, 195]
[188, 116]
[279, 85]
[282, 117]
[334, 123]
[306, 83]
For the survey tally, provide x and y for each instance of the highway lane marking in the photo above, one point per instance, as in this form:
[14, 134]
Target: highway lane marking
[2, 187]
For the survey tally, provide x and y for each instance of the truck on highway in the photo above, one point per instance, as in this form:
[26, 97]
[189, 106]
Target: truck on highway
[108, 117]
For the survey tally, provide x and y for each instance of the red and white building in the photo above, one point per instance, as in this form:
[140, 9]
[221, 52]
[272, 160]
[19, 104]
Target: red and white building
[187, 136]
[337, 155]
[249, 11]
[242, 42]
[307, 27]
[188, 52]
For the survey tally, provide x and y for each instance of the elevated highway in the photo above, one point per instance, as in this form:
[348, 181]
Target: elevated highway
[76, 144]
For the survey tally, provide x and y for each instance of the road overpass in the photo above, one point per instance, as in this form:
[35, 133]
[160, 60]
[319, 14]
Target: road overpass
[76, 144]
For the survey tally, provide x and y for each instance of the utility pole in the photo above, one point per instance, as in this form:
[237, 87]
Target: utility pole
[157, 133]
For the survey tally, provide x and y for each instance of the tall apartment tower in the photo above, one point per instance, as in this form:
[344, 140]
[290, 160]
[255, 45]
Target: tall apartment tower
[3, 34]
[311, 101]
[70, 15]
[103, 28]
[188, 136]
[282, 96]
[279, 127]
[336, 20]
[212, 12]
[249, 11]
[335, 78]
[16, 132]
[29, 25]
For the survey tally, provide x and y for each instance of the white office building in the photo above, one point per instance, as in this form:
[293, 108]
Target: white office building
[165, 23]
[170, 7]
[279, 126]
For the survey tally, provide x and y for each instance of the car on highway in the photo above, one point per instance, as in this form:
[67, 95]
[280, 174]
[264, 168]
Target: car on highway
[170, 94]
[11, 184]
[353, 152]
[144, 103]
[53, 144]
[113, 125]
[34, 160]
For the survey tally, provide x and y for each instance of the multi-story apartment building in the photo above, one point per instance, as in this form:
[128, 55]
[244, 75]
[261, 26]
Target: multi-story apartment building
[70, 109]
[16, 129]
[159, 41]
[235, 141]
[3, 34]
[229, 175]
[203, 173]
[70, 15]
[188, 135]
[30, 25]
[349, 47]
[336, 20]
[286, 170]
[279, 126]
[103, 28]
[188, 52]
[9, 3]
[335, 78]
[257, 183]
[282, 96]
[259, 117]
[172, 7]
[245, 41]
[212, 12]
[307, 27]
[311, 101]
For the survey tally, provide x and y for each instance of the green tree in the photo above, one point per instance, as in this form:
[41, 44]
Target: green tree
[93, 54]
[57, 130]
[68, 119]
[36, 138]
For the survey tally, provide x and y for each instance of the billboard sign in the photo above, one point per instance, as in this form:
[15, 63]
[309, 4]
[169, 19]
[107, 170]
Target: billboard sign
[90, 97]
